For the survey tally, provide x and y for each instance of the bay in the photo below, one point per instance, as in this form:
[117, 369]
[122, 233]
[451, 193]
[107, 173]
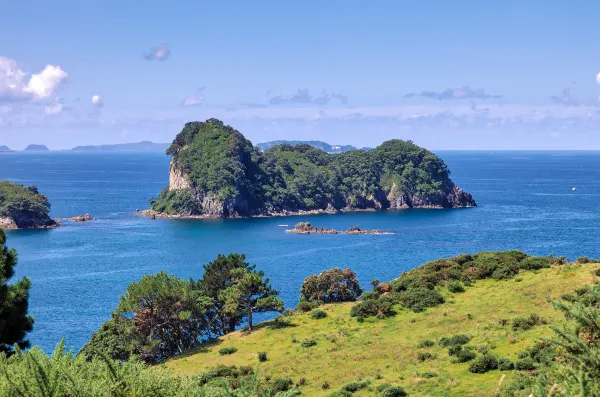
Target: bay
[79, 271]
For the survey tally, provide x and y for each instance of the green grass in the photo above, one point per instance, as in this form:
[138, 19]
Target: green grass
[385, 351]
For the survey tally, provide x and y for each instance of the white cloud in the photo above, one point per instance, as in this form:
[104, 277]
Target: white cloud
[159, 53]
[15, 86]
[98, 100]
[194, 100]
[598, 78]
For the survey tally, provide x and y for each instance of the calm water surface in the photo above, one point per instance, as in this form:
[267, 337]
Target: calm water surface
[78, 271]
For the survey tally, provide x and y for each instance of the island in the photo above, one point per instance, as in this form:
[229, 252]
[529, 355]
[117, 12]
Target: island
[23, 207]
[215, 172]
[144, 146]
[4, 148]
[307, 228]
[36, 148]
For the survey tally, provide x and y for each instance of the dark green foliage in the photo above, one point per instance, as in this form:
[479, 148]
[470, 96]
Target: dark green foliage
[394, 391]
[220, 163]
[428, 375]
[423, 356]
[25, 205]
[505, 364]
[462, 355]
[526, 323]
[335, 285]
[341, 393]
[115, 339]
[308, 343]
[483, 364]
[418, 299]
[582, 259]
[325, 385]
[14, 301]
[355, 386]
[455, 286]
[426, 343]
[521, 385]
[304, 306]
[380, 307]
[524, 364]
[280, 385]
[262, 356]
[383, 386]
[523, 355]
[227, 350]
[318, 314]
[455, 340]
[172, 202]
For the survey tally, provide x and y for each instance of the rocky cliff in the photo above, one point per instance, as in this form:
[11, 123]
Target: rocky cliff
[216, 172]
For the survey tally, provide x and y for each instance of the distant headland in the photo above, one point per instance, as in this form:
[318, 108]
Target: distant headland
[144, 146]
[216, 172]
[36, 148]
[326, 147]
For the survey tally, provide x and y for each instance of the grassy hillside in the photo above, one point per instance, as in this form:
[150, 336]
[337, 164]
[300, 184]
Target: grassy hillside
[385, 351]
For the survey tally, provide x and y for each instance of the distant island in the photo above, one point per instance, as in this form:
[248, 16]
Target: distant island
[23, 207]
[36, 148]
[216, 173]
[4, 148]
[144, 146]
[327, 148]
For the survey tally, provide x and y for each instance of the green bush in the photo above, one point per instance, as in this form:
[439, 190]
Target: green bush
[355, 386]
[383, 386]
[423, 356]
[455, 286]
[262, 356]
[505, 364]
[464, 355]
[304, 306]
[524, 364]
[341, 393]
[318, 314]
[308, 343]
[381, 307]
[280, 385]
[582, 259]
[483, 364]
[227, 350]
[426, 343]
[325, 385]
[459, 339]
[428, 375]
[526, 323]
[418, 299]
[394, 391]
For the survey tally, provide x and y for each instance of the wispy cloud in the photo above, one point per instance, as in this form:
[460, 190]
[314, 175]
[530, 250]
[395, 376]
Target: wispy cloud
[465, 92]
[303, 96]
[16, 85]
[160, 53]
[194, 100]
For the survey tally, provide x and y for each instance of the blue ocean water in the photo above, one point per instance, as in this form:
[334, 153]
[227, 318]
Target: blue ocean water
[78, 271]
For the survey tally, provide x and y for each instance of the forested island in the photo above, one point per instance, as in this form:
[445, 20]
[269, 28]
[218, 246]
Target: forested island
[23, 207]
[216, 172]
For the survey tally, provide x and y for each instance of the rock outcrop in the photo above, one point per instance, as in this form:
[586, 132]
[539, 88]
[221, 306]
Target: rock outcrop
[307, 228]
[78, 218]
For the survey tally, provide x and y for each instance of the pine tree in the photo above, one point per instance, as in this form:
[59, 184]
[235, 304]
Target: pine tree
[14, 320]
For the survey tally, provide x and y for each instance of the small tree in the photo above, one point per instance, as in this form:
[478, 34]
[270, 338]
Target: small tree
[335, 285]
[250, 292]
[14, 298]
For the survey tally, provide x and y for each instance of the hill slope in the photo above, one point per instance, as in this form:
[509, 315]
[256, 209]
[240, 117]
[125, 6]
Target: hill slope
[385, 351]
[216, 172]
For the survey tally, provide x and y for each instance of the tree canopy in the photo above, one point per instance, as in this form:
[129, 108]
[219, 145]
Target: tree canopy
[335, 285]
[14, 300]
[25, 205]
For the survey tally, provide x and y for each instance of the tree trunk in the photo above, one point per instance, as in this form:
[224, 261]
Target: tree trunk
[250, 318]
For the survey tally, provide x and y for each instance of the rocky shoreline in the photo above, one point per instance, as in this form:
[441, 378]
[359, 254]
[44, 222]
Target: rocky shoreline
[78, 218]
[307, 228]
[8, 223]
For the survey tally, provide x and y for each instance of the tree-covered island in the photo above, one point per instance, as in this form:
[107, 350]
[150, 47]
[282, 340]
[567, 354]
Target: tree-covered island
[23, 207]
[216, 172]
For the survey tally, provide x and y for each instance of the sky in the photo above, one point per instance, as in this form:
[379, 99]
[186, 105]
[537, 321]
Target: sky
[446, 74]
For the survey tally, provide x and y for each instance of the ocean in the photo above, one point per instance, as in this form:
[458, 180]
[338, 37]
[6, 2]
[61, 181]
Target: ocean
[78, 271]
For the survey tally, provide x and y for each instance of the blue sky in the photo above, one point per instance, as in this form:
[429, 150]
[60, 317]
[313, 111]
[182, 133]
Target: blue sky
[446, 74]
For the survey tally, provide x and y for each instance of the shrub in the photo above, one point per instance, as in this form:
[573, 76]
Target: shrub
[394, 391]
[383, 386]
[483, 364]
[335, 285]
[301, 382]
[246, 370]
[304, 306]
[423, 356]
[464, 355]
[227, 350]
[426, 343]
[381, 307]
[355, 386]
[526, 323]
[523, 355]
[325, 385]
[597, 272]
[568, 297]
[453, 350]
[418, 299]
[280, 384]
[341, 393]
[262, 356]
[582, 259]
[428, 375]
[524, 364]
[455, 286]
[318, 314]
[460, 339]
[308, 343]
[505, 364]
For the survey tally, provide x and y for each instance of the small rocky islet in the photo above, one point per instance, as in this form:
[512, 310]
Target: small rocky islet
[307, 228]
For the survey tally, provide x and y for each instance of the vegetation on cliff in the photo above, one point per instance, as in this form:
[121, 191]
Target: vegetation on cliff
[25, 206]
[227, 176]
